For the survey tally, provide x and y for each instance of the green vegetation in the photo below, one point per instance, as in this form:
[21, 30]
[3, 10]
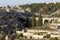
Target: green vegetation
[53, 39]
[28, 23]
[33, 21]
[40, 20]
[47, 8]
[1, 17]
[47, 36]
[40, 33]
[58, 15]
[33, 17]
[21, 35]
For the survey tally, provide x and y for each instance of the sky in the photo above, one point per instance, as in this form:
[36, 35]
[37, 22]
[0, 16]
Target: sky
[21, 2]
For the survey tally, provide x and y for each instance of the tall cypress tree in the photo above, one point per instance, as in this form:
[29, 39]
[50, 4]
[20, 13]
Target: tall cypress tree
[40, 20]
[33, 17]
[28, 23]
[33, 21]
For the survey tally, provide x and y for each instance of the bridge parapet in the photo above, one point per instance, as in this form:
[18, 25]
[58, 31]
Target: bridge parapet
[51, 19]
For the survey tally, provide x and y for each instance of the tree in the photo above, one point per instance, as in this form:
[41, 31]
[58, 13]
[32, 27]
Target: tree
[40, 20]
[47, 36]
[33, 21]
[33, 17]
[28, 24]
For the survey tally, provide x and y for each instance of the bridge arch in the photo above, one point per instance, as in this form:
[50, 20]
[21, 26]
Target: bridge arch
[46, 21]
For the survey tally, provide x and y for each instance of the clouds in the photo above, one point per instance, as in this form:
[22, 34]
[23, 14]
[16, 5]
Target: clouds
[19, 2]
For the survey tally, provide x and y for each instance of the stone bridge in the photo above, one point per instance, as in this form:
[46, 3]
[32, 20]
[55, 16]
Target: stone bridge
[49, 20]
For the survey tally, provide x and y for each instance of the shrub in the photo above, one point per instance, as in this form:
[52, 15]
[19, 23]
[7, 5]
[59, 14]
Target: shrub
[21, 35]
[53, 38]
[47, 36]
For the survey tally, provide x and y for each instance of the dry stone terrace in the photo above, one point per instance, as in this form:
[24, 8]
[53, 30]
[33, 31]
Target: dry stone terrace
[33, 33]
